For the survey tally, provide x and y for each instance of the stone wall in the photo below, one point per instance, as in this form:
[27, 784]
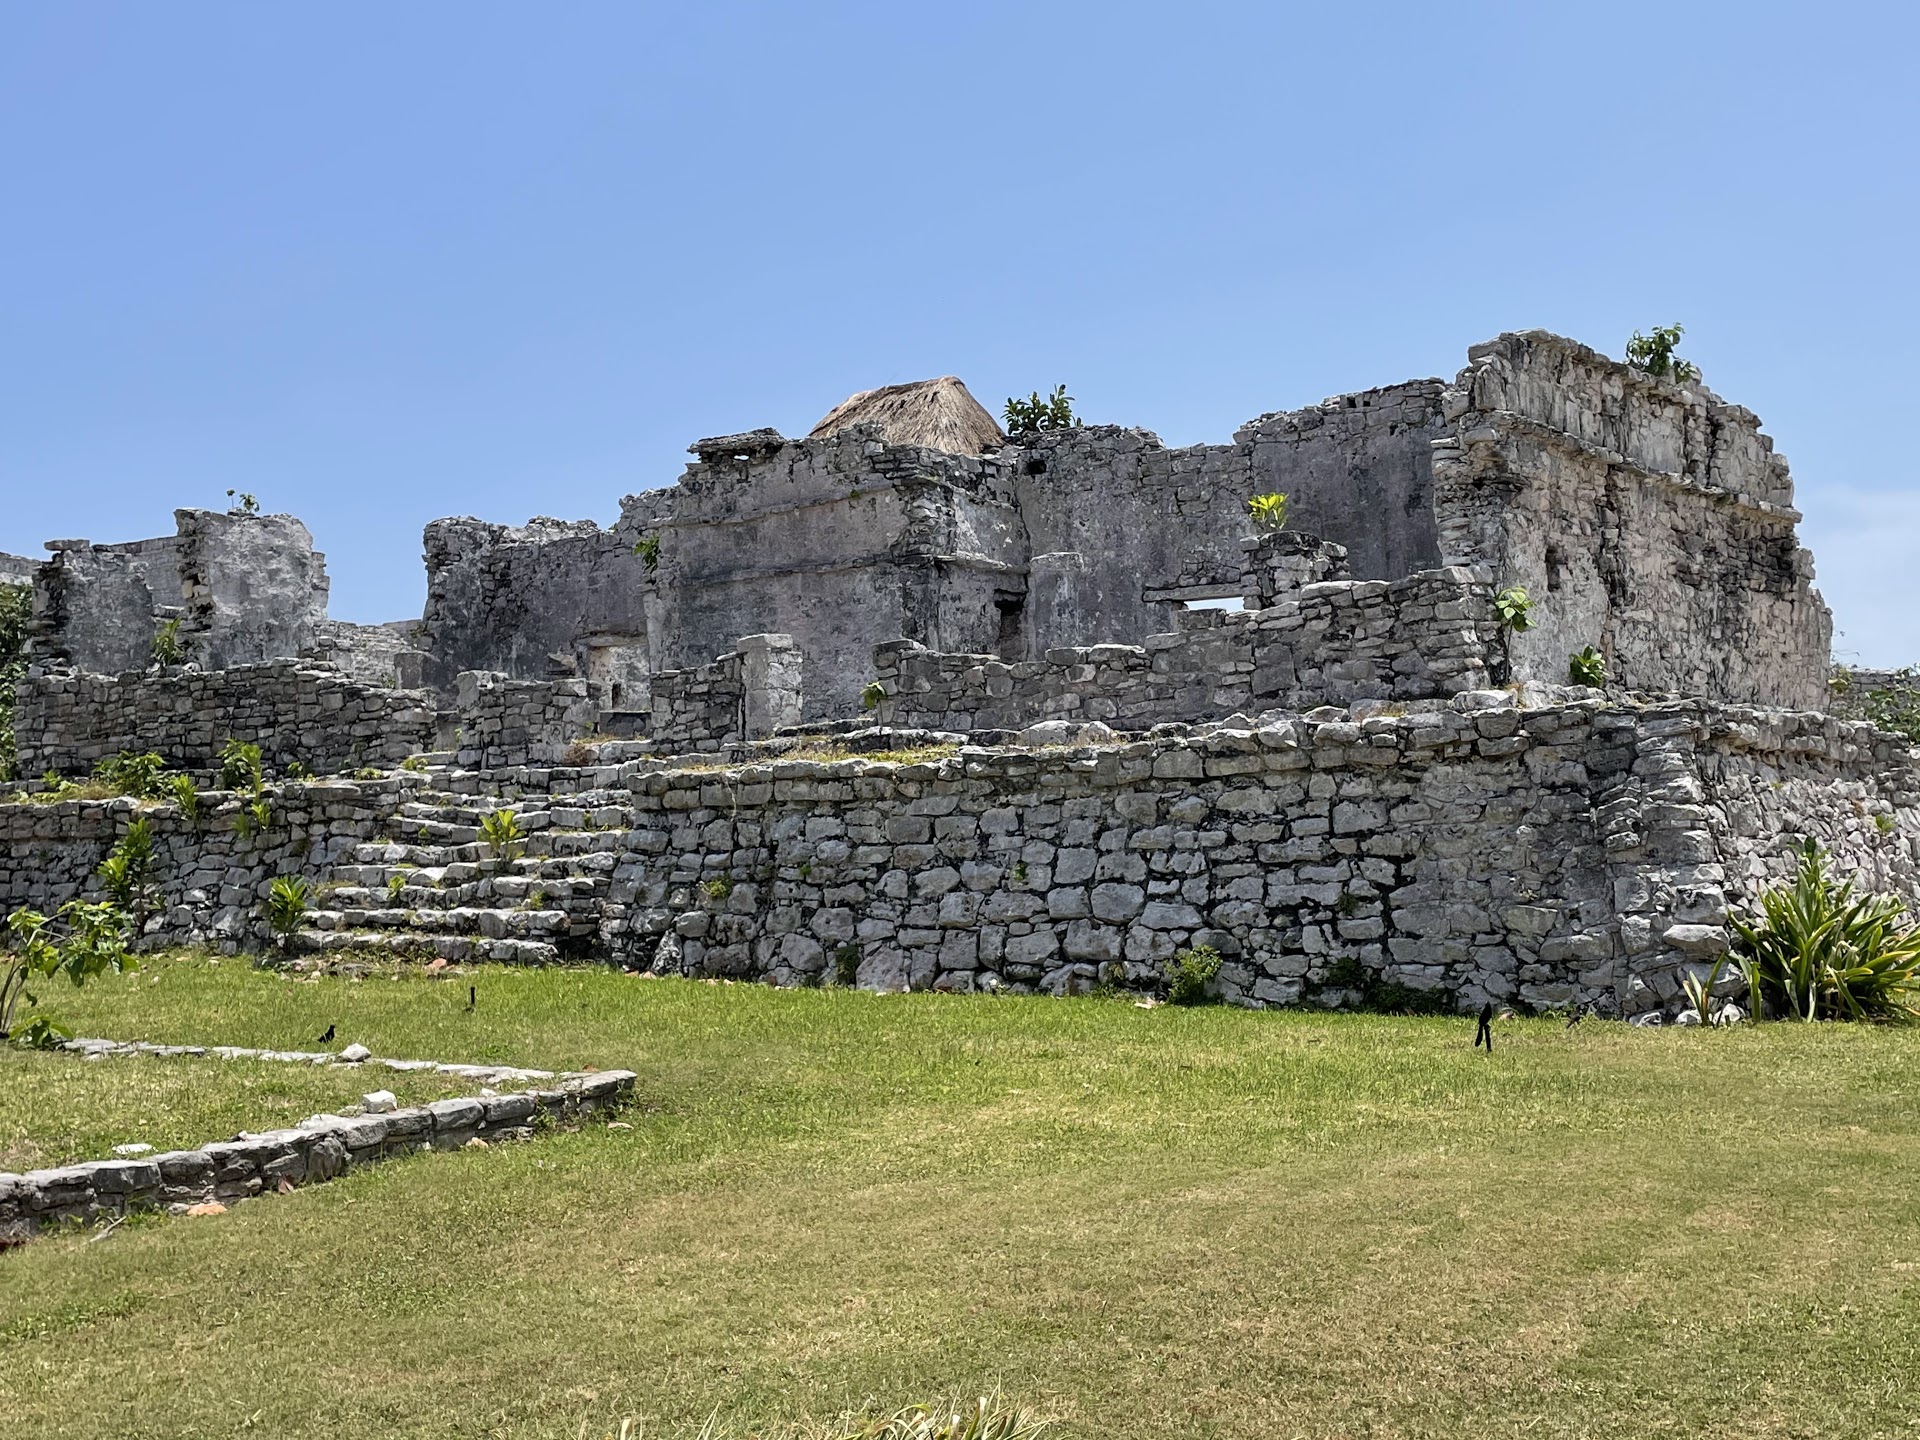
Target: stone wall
[372, 654]
[292, 710]
[16, 569]
[744, 695]
[1333, 642]
[97, 607]
[1648, 519]
[502, 721]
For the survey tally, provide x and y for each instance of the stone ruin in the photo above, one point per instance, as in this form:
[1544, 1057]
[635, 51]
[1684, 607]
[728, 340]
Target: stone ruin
[1134, 725]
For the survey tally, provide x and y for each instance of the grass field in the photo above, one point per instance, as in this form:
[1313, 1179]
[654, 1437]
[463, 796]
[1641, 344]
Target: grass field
[1144, 1222]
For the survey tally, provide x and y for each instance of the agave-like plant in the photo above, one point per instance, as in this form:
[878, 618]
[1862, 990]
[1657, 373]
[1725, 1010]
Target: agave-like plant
[1819, 950]
[500, 832]
[287, 901]
[1268, 512]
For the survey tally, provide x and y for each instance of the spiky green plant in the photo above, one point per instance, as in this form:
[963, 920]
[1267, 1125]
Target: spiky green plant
[241, 767]
[287, 901]
[186, 797]
[127, 871]
[1819, 950]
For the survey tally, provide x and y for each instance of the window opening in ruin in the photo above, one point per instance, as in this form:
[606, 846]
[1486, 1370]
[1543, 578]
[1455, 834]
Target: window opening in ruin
[1217, 602]
[1556, 563]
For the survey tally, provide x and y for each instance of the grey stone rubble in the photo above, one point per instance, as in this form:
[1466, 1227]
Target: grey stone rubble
[94, 1049]
[319, 1149]
[1323, 784]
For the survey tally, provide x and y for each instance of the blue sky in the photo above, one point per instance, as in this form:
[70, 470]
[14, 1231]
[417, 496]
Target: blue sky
[381, 263]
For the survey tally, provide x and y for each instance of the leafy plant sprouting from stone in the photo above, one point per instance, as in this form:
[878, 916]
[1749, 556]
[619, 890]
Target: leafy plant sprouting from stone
[1268, 512]
[500, 832]
[395, 884]
[1819, 950]
[180, 787]
[127, 872]
[168, 647]
[1191, 973]
[244, 503]
[1035, 414]
[80, 940]
[1893, 704]
[138, 775]
[254, 817]
[241, 767]
[1587, 666]
[872, 694]
[1654, 354]
[648, 549]
[415, 764]
[717, 889]
[287, 901]
[1512, 615]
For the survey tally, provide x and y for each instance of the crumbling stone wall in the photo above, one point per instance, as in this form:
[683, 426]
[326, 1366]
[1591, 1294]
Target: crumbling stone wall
[1332, 642]
[97, 607]
[372, 654]
[502, 721]
[16, 569]
[1648, 519]
[66, 722]
[744, 695]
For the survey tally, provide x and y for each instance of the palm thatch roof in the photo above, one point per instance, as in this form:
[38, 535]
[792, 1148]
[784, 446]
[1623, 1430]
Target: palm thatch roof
[939, 414]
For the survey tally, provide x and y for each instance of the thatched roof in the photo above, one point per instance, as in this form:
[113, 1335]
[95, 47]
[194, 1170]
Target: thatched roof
[939, 414]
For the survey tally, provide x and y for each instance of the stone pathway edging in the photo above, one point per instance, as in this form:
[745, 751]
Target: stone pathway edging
[485, 1074]
[318, 1149]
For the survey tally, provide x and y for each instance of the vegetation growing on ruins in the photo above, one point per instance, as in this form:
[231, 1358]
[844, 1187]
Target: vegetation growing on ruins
[287, 901]
[79, 942]
[1268, 512]
[1818, 949]
[872, 694]
[1036, 413]
[648, 549]
[16, 605]
[1190, 975]
[1654, 354]
[1177, 1221]
[168, 647]
[500, 832]
[1587, 666]
[244, 503]
[1892, 704]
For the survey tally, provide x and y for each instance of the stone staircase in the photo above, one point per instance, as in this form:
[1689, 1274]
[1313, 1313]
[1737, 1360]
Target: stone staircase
[431, 887]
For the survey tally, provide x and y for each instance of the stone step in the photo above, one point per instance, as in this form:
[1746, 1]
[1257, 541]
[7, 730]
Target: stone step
[499, 892]
[471, 948]
[493, 924]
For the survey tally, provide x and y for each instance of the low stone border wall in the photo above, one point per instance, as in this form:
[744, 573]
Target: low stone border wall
[485, 1074]
[317, 1150]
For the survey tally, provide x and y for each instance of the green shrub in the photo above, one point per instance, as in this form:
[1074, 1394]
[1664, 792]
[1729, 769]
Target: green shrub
[395, 884]
[1033, 415]
[1654, 353]
[244, 503]
[241, 767]
[417, 764]
[127, 872]
[1587, 667]
[872, 695]
[718, 889]
[287, 901]
[254, 817]
[1190, 973]
[648, 549]
[1819, 951]
[168, 647]
[500, 832]
[1512, 609]
[1386, 997]
[1893, 706]
[186, 797]
[1268, 512]
[140, 776]
[80, 941]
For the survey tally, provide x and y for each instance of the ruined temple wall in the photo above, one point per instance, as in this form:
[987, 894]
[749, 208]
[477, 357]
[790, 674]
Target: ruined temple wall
[745, 694]
[510, 598]
[254, 587]
[371, 654]
[1645, 518]
[16, 569]
[1329, 643]
[502, 721]
[293, 711]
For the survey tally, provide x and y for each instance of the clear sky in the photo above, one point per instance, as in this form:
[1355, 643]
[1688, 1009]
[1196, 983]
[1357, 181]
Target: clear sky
[384, 262]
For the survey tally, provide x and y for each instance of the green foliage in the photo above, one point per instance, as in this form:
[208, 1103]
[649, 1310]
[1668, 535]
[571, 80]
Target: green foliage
[415, 764]
[1818, 951]
[1034, 414]
[846, 964]
[717, 889]
[1699, 989]
[254, 817]
[241, 767]
[500, 832]
[127, 872]
[81, 940]
[180, 787]
[395, 884]
[1513, 610]
[1190, 973]
[168, 647]
[141, 776]
[297, 770]
[648, 549]
[1654, 353]
[1587, 667]
[16, 606]
[1892, 705]
[245, 503]
[366, 772]
[287, 901]
[872, 695]
[1268, 512]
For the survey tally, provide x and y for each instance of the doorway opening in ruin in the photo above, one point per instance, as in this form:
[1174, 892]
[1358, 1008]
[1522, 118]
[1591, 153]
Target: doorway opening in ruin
[618, 670]
[1010, 641]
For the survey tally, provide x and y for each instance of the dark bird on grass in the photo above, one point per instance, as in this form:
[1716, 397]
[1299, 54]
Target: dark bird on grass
[473, 999]
[1575, 1018]
[1484, 1035]
[326, 1038]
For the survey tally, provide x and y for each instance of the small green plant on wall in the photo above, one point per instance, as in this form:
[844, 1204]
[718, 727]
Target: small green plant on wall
[1654, 355]
[872, 695]
[1190, 975]
[1268, 512]
[1034, 414]
[648, 549]
[243, 503]
[1587, 667]
[168, 647]
[287, 901]
[1512, 615]
[500, 832]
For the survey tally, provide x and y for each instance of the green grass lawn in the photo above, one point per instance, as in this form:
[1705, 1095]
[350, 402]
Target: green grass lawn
[1145, 1222]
